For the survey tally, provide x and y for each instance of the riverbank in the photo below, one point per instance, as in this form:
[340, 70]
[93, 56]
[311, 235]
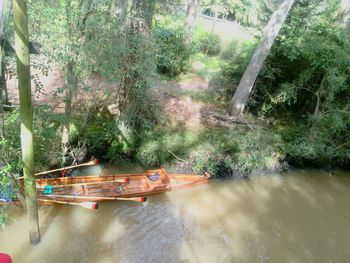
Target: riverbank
[194, 134]
[193, 131]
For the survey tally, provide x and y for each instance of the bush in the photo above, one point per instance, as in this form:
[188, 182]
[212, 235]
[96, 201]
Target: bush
[173, 52]
[235, 59]
[207, 42]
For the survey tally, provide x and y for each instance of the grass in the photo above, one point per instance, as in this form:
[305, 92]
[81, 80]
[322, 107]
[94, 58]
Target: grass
[205, 66]
[239, 150]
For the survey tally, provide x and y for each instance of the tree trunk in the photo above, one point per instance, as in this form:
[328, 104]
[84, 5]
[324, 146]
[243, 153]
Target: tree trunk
[4, 18]
[191, 14]
[344, 14]
[149, 12]
[23, 71]
[246, 84]
[119, 8]
[71, 81]
[138, 18]
[2, 97]
[71, 86]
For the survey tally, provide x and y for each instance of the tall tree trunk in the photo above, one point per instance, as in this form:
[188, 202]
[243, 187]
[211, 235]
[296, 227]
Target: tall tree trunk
[191, 14]
[149, 12]
[2, 96]
[344, 14]
[4, 18]
[138, 21]
[70, 88]
[119, 8]
[23, 71]
[71, 80]
[246, 84]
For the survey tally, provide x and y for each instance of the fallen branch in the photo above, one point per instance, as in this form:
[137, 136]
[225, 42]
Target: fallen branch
[226, 120]
[177, 158]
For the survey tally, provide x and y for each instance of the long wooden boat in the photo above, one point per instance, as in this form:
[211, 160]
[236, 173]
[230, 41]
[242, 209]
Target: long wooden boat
[79, 189]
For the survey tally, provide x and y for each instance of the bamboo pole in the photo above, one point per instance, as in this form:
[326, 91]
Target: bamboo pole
[100, 198]
[93, 162]
[20, 19]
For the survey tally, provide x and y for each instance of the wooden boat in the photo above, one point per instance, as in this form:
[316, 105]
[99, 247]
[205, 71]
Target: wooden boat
[133, 187]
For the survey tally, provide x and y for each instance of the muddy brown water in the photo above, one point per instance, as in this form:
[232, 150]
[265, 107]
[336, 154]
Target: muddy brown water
[301, 217]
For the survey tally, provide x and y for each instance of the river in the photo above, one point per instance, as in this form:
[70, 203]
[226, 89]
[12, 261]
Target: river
[303, 216]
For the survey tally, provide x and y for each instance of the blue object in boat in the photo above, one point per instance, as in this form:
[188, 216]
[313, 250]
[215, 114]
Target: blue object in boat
[154, 177]
[6, 193]
[48, 189]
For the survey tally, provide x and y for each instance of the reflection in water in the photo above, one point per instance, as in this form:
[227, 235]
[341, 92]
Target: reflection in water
[303, 217]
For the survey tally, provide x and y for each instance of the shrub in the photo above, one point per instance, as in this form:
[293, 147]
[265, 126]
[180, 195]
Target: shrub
[235, 59]
[207, 42]
[173, 52]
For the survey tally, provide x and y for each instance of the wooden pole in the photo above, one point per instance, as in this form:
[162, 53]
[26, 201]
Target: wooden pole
[88, 205]
[99, 198]
[94, 162]
[120, 180]
[20, 19]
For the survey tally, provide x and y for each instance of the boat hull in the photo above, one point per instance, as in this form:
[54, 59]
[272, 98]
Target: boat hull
[112, 187]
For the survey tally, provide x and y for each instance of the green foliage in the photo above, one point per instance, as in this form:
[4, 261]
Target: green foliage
[305, 80]
[100, 137]
[207, 42]
[321, 139]
[235, 59]
[10, 147]
[237, 152]
[138, 107]
[205, 66]
[205, 157]
[307, 73]
[158, 145]
[3, 217]
[221, 152]
[47, 141]
[173, 51]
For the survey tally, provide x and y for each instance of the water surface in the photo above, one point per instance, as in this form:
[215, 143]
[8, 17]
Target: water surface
[301, 217]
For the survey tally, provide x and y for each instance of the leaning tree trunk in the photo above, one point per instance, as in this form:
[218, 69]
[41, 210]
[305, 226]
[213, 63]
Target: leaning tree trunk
[23, 71]
[240, 99]
[191, 14]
